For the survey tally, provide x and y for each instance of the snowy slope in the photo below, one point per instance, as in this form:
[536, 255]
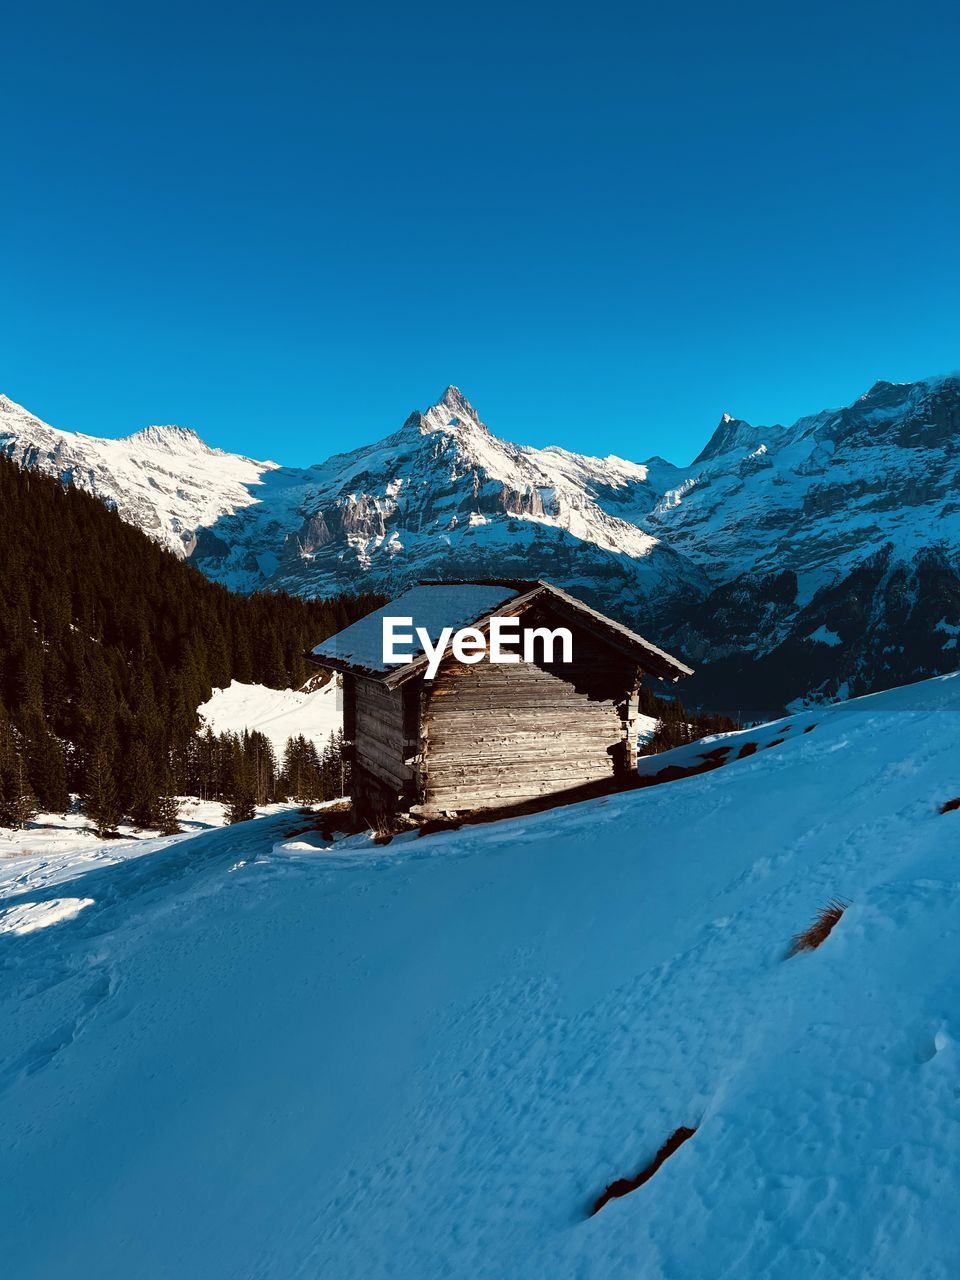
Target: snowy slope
[248, 1056]
[55, 847]
[279, 714]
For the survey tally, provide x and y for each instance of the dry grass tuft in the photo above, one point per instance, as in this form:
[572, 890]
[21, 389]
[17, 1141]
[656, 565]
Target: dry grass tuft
[948, 806]
[623, 1186]
[819, 928]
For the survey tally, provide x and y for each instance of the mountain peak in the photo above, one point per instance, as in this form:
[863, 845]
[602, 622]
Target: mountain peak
[458, 404]
[452, 412]
[15, 410]
[730, 433]
[171, 438]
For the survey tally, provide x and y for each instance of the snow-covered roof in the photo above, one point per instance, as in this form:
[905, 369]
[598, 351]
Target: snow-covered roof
[436, 605]
[432, 607]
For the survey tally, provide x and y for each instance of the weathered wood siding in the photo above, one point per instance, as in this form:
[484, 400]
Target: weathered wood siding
[379, 734]
[496, 734]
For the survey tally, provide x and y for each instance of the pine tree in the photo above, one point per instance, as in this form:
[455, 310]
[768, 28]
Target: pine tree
[290, 770]
[168, 815]
[276, 672]
[335, 772]
[8, 748]
[297, 667]
[140, 790]
[302, 770]
[25, 685]
[241, 807]
[312, 775]
[46, 767]
[99, 801]
[18, 805]
[263, 764]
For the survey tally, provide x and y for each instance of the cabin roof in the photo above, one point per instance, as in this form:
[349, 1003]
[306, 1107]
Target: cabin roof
[434, 605]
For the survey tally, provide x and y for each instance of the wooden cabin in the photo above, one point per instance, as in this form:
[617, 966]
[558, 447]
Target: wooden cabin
[489, 735]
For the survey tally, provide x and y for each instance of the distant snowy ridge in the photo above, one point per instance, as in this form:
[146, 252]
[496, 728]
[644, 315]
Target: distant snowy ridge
[441, 492]
[164, 480]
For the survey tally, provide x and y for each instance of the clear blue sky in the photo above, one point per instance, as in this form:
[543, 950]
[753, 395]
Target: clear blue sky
[287, 225]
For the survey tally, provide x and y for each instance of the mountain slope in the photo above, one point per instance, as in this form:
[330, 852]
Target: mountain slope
[814, 497]
[544, 1001]
[440, 497]
[835, 547]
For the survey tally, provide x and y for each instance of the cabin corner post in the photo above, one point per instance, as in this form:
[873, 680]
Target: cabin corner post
[629, 713]
[414, 742]
[421, 771]
[349, 695]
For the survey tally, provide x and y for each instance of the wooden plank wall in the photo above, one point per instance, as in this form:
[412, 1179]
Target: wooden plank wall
[497, 734]
[380, 734]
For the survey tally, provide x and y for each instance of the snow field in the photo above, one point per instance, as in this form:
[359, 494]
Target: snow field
[56, 847]
[279, 714]
[268, 1056]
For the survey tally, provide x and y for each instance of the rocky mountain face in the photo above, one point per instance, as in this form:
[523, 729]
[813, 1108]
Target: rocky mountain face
[787, 563]
[443, 497]
[834, 546]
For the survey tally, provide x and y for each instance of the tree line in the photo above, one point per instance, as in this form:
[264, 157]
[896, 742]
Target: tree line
[109, 643]
[678, 726]
[239, 769]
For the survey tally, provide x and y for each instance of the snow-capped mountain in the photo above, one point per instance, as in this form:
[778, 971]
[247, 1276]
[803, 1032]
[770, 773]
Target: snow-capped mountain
[441, 497]
[444, 497]
[834, 545]
[164, 480]
[786, 562]
[813, 497]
